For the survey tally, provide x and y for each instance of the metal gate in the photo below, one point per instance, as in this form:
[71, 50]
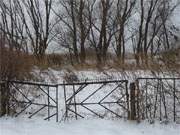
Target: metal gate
[103, 99]
[156, 98]
[32, 99]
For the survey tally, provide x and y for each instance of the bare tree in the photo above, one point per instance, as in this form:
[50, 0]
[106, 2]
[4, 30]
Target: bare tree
[69, 18]
[76, 17]
[84, 24]
[154, 15]
[11, 25]
[102, 29]
[36, 17]
[124, 10]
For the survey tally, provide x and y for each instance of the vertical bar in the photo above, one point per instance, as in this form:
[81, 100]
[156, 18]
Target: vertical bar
[75, 107]
[133, 101]
[174, 97]
[66, 111]
[164, 101]
[146, 99]
[127, 98]
[57, 114]
[8, 97]
[137, 101]
[48, 104]
[156, 93]
[3, 99]
[160, 92]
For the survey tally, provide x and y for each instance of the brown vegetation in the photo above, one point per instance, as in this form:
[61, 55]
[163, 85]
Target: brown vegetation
[14, 64]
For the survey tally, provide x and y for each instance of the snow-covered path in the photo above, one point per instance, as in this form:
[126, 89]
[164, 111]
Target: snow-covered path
[19, 126]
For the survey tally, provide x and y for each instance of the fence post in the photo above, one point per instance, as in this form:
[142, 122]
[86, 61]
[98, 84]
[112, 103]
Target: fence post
[132, 101]
[3, 99]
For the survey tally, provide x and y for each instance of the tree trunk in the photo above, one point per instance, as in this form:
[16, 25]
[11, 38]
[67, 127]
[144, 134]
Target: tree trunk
[82, 32]
[74, 32]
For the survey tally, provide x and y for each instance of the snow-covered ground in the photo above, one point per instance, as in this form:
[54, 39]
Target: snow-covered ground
[57, 76]
[36, 126]
[21, 126]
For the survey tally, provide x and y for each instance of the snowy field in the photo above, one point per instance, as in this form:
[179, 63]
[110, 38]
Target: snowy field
[37, 126]
[57, 76]
[21, 126]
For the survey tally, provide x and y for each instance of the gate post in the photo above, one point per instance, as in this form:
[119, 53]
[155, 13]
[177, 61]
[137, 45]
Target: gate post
[132, 101]
[3, 102]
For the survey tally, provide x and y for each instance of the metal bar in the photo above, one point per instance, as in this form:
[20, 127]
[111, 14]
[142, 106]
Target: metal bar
[37, 111]
[111, 111]
[12, 96]
[80, 104]
[75, 101]
[98, 82]
[66, 111]
[110, 93]
[123, 96]
[155, 107]
[123, 107]
[127, 98]
[38, 104]
[46, 94]
[20, 92]
[94, 92]
[32, 83]
[92, 112]
[74, 112]
[159, 78]
[61, 84]
[79, 89]
[146, 98]
[164, 101]
[51, 116]
[174, 99]
[13, 105]
[23, 109]
[160, 94]
[57, 108]
[48, 104]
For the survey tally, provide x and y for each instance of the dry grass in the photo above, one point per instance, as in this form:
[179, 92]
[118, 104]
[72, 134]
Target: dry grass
[14, 64]
[60, 61]
[21, 63]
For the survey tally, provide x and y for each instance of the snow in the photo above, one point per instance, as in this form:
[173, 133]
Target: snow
[20, 126]
[37, 126]
[57, 76]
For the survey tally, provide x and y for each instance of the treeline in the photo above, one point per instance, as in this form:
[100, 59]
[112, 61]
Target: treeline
[142, 26]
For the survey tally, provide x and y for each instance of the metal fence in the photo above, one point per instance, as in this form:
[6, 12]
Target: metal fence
[81, 99]
[32, 99]
[101, 99]
[155, 98]
[159, 98]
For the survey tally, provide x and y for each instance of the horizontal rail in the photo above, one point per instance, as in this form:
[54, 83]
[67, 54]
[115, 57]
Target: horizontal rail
[92, 82]
[32, 103]
[33, 83]
[61, 84]
[98, 103]
[158, 78]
